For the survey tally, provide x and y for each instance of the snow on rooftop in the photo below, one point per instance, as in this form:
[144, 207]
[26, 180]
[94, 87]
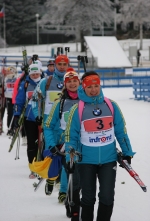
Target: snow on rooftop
[107, 51]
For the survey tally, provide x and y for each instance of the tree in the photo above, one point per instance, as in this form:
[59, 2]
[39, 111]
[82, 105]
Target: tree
[136, 11]
[1, 42]
[82, 14]
[20, 19]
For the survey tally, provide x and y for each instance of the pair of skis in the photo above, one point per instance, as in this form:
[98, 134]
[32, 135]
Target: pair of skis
[129, 169]
[21, 118]
[37, 185]
[123, 163]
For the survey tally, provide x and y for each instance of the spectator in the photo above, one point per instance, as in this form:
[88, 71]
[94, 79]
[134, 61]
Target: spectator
[138, 57]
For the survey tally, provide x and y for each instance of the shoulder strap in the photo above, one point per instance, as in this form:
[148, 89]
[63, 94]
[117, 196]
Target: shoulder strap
[108, 102]
[81, 106]
[48, 82]
[26, 85]
[80, 109]
[61, 107]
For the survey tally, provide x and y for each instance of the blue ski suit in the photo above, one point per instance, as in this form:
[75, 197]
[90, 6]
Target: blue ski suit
[49, 95]
[102, 152]
[59, 114]
[96, 133]
[23, 94]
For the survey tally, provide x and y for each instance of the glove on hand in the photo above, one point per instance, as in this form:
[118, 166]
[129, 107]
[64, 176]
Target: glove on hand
[54, 150]
[38, 121]
[16, 119]
[70, 170]
[128, 158]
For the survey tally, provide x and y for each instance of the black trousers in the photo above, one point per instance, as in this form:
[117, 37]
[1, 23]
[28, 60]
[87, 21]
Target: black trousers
[32, 136]
[23, 131]
[106, 174]
[9, 107]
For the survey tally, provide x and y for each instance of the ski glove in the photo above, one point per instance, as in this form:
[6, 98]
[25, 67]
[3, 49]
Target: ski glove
[56, 150]
[128, 158]
[38, 121]
[70, 170]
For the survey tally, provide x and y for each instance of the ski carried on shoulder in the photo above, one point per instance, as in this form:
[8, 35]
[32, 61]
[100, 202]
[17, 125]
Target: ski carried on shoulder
[25, 60]
[37, 185]
[129, 169]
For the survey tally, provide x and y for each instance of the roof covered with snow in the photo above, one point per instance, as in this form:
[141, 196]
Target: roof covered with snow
[107, 52]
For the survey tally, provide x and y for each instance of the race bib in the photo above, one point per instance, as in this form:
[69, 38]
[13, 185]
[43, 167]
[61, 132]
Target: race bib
[51, 96]
[97, 131]
[10, 85]
[29, 94]
[98, 124]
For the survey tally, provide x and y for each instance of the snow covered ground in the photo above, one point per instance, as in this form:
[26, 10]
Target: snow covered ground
[19, 202]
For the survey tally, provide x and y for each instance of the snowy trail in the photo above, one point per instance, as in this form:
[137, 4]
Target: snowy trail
[19, 202]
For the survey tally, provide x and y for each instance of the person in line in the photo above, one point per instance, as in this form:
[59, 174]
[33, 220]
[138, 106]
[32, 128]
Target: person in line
[10, 78]
[95, 122]
[138, 57]
[18, 81]
[24, 95]
[59, 114]
[50, 88]
[50, 68]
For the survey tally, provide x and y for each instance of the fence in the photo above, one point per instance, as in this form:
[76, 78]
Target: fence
[141, 88]
[109, 77]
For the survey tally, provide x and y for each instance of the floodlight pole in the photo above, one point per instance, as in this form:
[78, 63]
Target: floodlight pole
[37, 28]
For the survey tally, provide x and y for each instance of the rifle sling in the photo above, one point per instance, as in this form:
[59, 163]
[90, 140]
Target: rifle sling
[48, 82]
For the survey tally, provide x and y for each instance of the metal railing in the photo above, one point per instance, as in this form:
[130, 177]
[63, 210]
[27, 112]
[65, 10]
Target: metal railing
[109, 77]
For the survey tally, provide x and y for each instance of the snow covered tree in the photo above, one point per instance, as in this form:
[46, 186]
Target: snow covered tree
[136, 11]
[82, 14]
[20, 18]
[1, 42]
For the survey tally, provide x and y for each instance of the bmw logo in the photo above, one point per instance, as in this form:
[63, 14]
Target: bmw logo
[97, 112]
[60, 85]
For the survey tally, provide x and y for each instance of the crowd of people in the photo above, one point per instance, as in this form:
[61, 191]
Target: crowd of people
[72, 114]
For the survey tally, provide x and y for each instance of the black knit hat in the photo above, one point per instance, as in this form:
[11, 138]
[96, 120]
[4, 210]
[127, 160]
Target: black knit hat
[50, 62]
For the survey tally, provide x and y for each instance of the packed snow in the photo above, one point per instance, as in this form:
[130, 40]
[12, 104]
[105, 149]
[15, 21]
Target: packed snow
[19, 202]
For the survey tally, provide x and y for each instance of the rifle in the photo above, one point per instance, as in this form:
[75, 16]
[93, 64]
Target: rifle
[129, 169]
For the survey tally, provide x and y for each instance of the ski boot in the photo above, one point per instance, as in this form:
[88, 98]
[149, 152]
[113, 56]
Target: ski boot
[49, 187]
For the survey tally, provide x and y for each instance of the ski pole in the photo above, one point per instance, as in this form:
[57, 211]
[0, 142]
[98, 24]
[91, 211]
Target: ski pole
[11, 122]
[18, 146]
